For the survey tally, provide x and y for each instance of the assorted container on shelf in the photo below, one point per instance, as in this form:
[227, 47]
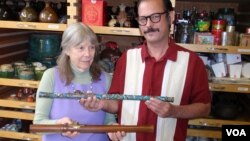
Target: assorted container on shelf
[33, 11]
[208, 28]
[15, 125]
[24, 94]
[98, 13]
[22, 70]
[109, 56]
[227, 68]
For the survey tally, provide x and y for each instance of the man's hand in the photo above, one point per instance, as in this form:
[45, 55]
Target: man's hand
[162, 109]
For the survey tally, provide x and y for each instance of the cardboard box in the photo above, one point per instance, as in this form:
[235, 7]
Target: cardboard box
[93, 12]
[219, 69]
[203, 38]
[235, 70]
[245, 40]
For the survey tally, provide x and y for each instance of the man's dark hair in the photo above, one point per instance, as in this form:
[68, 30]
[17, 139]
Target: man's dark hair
[167, 5]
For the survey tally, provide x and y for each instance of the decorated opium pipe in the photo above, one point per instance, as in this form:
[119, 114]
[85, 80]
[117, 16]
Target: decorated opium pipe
[59, 128]
[78, 95]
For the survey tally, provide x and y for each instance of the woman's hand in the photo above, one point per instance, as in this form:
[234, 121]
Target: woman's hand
[92, 103]
[67, 120]
[116, 136]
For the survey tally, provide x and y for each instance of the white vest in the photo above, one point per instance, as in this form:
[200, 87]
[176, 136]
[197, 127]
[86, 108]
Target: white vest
[172, 86]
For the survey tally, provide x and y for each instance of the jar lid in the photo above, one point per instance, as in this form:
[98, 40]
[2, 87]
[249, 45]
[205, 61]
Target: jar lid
[26, 72]
[41, 68]
[19, 63]
[218, 22]
[6, 66]
[37, 64]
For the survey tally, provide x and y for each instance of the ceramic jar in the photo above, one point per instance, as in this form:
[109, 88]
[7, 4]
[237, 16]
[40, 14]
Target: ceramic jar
[6, 71]
[39, 70]
[122, 16]
[28, 13]
[5, 11]
[26, 74]
[42, 46]
[112, 22]
[48, 15]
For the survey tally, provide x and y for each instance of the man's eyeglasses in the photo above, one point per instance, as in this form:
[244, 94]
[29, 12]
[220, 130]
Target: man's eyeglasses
[155, 18]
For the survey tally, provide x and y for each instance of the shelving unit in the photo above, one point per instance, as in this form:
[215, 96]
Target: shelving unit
[73, 10]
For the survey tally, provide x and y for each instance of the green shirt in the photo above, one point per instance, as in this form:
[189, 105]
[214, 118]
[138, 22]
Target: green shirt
[43, 105]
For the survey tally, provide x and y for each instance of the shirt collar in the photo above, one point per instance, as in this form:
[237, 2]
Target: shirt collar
[171, 53]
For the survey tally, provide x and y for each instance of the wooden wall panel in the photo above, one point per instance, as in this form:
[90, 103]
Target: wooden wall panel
[243, 17]
[13, 45]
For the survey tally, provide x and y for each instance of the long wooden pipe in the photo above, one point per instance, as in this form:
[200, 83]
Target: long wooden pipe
[57, 128]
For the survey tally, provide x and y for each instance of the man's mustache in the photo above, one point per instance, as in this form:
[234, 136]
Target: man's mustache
[151, 30]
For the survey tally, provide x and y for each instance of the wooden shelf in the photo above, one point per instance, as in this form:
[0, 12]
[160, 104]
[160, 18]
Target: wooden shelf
[216, 49]
[204, 133]
[16, 115]
[19, 83]
[22, 136]
[33, 25]
[239, 88]
[116, 30]
[62, 27]
[17, 104]
[209, 122]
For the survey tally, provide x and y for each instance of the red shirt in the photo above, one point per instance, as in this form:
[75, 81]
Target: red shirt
[195, 90]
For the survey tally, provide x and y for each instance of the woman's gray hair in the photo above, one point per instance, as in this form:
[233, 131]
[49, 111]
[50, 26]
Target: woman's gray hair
[74, 35]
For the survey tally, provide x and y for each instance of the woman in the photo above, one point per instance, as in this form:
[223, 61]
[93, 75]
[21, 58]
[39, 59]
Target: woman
[76, 69]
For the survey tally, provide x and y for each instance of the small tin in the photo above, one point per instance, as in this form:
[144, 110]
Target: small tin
[230, 28]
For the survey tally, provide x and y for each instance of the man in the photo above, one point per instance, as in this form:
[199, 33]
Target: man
[159, 67]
